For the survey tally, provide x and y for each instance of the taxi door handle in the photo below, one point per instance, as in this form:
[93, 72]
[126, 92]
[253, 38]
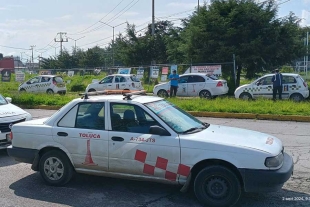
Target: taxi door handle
[117, 139]
[62, 134]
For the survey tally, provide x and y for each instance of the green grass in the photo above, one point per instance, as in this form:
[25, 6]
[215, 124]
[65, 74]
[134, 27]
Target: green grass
[220, 104]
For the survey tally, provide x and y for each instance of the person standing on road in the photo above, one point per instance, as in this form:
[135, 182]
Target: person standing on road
[174, 81]
[277, 84]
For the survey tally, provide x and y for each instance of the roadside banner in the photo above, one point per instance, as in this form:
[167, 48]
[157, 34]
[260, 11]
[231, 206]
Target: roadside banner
[154, 71]
[124, 70]
[19, 76]
[70, 73]
[6, 75]
[163, 78]
[140, 73]
[208, 69]
[165, 71]
[45, 72]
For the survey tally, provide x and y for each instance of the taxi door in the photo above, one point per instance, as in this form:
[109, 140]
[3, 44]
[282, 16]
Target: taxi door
[105, 84]
[44, 84]
[290, 86]
[119, 83]
[133, 150]
[196, 83]
[263, 88]
[32, 85]
[183, 86]
[82, 133]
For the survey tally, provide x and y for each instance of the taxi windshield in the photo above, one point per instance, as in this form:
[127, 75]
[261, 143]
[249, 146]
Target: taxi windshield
[2, 100]
[179, 120]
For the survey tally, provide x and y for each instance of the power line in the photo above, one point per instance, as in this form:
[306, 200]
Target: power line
[78, 33]
[120, 14]
[17, 48]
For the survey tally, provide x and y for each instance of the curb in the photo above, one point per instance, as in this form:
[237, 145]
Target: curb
[251, 116]
[216, 114]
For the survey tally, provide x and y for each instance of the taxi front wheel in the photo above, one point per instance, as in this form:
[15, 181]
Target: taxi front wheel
[55, 168]
[217, 186]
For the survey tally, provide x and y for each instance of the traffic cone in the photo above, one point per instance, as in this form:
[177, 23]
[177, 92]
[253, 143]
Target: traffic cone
[88, 158]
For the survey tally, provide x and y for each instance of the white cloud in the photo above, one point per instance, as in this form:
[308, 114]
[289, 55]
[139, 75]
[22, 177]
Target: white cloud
[65, 17]
[307, 1]
[4, 8]
[305, 18]
[182, 5]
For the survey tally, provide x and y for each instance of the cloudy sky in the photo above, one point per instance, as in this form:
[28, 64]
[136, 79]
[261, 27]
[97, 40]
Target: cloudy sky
[24, 23]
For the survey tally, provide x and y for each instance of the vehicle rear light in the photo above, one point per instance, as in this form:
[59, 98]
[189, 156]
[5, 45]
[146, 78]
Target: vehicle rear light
[11, 136]
[219, 84]
[55, 83]
[305, 84]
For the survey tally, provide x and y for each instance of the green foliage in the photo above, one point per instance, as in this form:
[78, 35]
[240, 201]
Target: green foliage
[77, 88]
[287, 69]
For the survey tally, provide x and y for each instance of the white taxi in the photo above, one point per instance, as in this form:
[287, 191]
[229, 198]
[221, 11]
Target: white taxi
[294, 88]
[116, 82]
[9, 115]
[44, 84]
[194, 84]
[149, 138]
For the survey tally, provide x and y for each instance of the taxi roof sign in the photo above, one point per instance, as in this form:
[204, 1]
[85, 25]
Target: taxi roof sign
[126, 93]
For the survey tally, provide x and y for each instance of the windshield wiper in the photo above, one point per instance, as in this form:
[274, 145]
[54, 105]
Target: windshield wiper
[206, 124]
[193, 129]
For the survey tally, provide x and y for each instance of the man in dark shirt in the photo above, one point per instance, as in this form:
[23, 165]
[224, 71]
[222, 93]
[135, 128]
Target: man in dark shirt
[277, 84]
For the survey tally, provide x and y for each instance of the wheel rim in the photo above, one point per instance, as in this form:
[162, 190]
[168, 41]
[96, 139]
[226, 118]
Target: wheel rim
[162, 93]
[296, 98]
[49, 92]
[53, 168]
[217, 188]
[205, 94]
[245, 97]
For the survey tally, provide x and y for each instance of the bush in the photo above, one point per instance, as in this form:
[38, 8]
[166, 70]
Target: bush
[78, 87]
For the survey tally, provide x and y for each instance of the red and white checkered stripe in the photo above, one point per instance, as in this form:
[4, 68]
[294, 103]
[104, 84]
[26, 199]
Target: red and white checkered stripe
[161, 163]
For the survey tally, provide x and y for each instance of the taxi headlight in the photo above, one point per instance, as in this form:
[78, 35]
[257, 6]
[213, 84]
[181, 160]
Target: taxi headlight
[274, 161]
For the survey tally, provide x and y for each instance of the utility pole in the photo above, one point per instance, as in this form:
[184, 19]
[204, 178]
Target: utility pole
[153, 18]
[61, 40]
[113, 37]
[32, 46]
[75, 42]
[198, 6]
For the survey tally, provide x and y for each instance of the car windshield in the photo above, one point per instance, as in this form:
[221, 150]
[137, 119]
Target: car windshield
[179, 120]
[3, 100]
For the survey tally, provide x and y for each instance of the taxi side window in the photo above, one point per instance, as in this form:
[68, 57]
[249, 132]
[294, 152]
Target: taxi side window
[34, 80]
[265, 81]
[90, 116]
[69, 119]
[130, 118]
[45, 79]
[289, 79]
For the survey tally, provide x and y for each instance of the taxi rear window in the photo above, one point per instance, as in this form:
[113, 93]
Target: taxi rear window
[58, 79]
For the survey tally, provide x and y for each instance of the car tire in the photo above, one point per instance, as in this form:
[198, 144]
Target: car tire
[245, 96]
[162, 93]
[55, 168]
[297, 97]
[217, 186]
[50, 91]
[22, 90]
[205, 94]
[91, 90]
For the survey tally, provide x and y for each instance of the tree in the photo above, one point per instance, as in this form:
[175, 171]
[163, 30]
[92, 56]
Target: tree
[242, 27]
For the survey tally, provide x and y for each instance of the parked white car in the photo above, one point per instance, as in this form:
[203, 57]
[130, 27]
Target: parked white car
[149, 138]
[294, 87]
[194, 84]
[44, 84]
[116, 82]
[9, 115]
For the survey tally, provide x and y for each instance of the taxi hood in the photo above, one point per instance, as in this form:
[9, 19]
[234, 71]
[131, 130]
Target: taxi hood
[235, 138]
[8, 110]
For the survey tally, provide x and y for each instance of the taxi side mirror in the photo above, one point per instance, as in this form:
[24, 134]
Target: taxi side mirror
[158, 131]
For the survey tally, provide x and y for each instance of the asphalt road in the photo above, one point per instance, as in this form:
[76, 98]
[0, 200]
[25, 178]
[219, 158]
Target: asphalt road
[20, 186]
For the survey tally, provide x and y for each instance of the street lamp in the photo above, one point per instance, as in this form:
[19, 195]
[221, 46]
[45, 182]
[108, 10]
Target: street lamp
[75, 42]
[113, 37]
